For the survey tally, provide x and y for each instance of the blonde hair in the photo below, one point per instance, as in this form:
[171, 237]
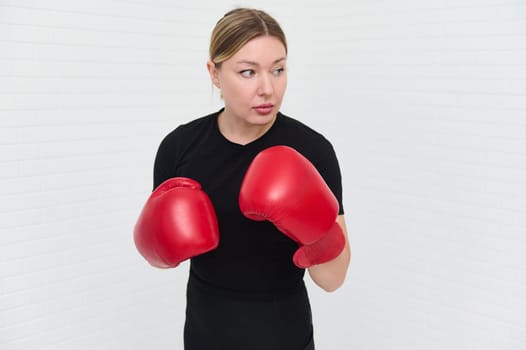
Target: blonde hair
[239, 26]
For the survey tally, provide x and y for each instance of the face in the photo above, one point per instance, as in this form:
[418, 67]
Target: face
[253, 81]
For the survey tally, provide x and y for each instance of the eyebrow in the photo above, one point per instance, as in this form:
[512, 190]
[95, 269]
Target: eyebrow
[252, 63]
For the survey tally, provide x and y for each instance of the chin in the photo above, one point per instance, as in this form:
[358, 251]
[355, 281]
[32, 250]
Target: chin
[263, 119]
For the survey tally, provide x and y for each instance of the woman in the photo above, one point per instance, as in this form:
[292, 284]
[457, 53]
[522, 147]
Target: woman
[245, 288]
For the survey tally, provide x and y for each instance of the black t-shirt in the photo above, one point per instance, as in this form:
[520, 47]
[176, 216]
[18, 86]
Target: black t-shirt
[252, 257]
[247, 293]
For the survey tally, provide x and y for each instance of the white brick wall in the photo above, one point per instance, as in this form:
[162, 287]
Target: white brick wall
[424, 101]
[435, 96]
[87, 89]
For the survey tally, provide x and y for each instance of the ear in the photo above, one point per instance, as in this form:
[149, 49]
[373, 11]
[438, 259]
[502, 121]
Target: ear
[214, 73]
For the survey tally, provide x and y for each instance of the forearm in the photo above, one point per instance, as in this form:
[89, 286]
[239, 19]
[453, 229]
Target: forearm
[331, 275]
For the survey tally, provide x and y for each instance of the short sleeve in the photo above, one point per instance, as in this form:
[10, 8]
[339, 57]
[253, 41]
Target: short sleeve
[329, 168]
[165, 161]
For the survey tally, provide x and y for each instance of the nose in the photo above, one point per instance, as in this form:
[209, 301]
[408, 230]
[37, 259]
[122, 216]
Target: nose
[265, 87]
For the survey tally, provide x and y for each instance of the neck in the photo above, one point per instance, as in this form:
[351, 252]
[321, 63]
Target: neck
[239, 131]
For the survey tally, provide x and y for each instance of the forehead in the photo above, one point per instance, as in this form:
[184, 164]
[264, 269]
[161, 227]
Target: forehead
[261, 50]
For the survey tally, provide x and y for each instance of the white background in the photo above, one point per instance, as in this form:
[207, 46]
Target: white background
[424, 101]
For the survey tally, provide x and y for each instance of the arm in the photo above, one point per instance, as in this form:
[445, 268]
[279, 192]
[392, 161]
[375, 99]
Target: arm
[331, 275]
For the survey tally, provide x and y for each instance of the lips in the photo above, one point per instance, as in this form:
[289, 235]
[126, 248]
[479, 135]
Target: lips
[264, 109]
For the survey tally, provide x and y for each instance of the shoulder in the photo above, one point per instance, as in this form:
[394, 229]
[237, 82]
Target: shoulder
[176, 144]
[188, 132]
[303, 137]
[191, 127]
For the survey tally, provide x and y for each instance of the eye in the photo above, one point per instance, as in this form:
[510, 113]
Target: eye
[278, 71]
[247, 73]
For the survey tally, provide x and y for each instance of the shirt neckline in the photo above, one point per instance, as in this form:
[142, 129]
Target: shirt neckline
[252, 143]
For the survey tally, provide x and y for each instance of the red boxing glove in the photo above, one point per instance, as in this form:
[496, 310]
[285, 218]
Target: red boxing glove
[177, 222]
[283, 187]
